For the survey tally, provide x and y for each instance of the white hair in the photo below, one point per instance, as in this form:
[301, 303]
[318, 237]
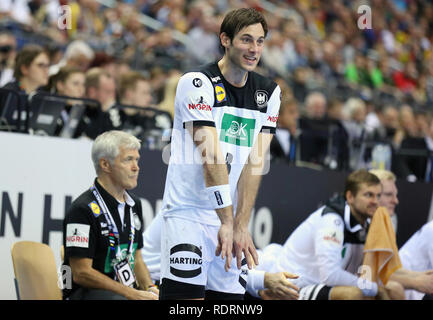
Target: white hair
[77, 48]
[315, 97]
[107, 146]
[353, 105]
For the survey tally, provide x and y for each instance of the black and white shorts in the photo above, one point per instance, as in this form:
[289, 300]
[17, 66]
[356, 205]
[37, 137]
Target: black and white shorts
[315, 292]
[188, 260]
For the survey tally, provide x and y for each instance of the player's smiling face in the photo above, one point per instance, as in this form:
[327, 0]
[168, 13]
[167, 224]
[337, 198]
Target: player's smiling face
[246, 47]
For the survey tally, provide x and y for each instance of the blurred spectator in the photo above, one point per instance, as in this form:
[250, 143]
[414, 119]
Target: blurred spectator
[85, 18]
[31, 69]
[17, 10]
[313, 45]
[55, 53]
[284, 146]
[335, 110]
[300, 83]
[100, 86]
[273, 54]
[357, 71]
[340, 138]
[8, 46]
[315, 138]
[69, 81]
[429, 143]
[165, 51]
[406, 80]
[78, 54]
[422, 119]
[167, 103]
[203, 40]
[135, 90]
[315, 105]
[104, 61]
[355, 114]
[412, 153]
[390, 122]
[135, 113]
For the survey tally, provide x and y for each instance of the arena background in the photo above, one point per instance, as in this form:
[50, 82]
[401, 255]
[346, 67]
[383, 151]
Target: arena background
[43, 175]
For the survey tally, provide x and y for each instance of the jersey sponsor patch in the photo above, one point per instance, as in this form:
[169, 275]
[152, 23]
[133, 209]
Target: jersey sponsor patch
[199, 107]
[237, 130]
[273, 119]
[197, 82]
[95, 208]
[77, 235]
[220, 92]
[185, 260]
[332, 235]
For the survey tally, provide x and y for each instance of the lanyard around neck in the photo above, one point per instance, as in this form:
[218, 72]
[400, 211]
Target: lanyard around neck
[113, 230]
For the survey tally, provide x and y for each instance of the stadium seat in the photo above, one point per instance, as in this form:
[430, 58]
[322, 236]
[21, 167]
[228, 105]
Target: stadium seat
[35, 271]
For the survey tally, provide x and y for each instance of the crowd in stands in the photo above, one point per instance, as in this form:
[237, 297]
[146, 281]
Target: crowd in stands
[345, 89]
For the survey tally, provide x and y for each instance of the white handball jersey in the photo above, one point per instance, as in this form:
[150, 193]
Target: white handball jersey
[417, 253]
[205, 98]
[326, 248]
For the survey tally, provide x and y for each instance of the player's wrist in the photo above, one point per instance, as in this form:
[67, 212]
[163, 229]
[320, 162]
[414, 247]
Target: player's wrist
[240, 226]
[219, 196]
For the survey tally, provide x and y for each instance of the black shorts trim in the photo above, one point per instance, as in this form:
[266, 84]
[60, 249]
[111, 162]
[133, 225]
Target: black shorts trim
[428, 297]
[200, 123]
[271, 130]
[217, 295]
[174, 290]
[324, 293]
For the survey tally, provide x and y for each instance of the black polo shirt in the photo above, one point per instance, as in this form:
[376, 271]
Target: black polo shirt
[86, 232]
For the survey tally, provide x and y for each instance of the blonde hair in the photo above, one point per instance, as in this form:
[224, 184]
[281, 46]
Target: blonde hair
[383, 175]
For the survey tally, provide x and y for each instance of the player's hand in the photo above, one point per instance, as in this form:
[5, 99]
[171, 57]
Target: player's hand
[225, 244]
[134, 294]
[154, 290]
[242, 243]
[279, 288]
[425, 282]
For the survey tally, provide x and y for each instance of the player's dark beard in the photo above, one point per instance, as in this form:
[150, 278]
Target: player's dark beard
[360, 215]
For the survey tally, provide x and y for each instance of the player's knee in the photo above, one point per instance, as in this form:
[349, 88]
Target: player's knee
[346, 293]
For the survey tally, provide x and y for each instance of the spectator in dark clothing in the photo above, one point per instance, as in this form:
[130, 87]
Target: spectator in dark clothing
[31, 69]
[285, 144]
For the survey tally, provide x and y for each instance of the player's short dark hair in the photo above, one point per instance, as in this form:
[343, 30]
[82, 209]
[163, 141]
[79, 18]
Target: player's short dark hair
[358, 177]
[238, 19]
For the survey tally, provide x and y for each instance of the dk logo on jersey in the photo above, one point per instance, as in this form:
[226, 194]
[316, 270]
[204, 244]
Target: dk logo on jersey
[237, 130]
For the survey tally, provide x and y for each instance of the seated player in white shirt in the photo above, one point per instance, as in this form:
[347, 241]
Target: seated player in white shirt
[416, 275]
[326, 250]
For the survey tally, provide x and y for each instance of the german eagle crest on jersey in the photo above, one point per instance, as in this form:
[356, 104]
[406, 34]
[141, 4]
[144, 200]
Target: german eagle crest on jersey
[261, 98]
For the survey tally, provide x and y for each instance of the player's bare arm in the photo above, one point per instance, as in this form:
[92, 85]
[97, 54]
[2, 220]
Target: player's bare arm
[248, 186]
[216, 174]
